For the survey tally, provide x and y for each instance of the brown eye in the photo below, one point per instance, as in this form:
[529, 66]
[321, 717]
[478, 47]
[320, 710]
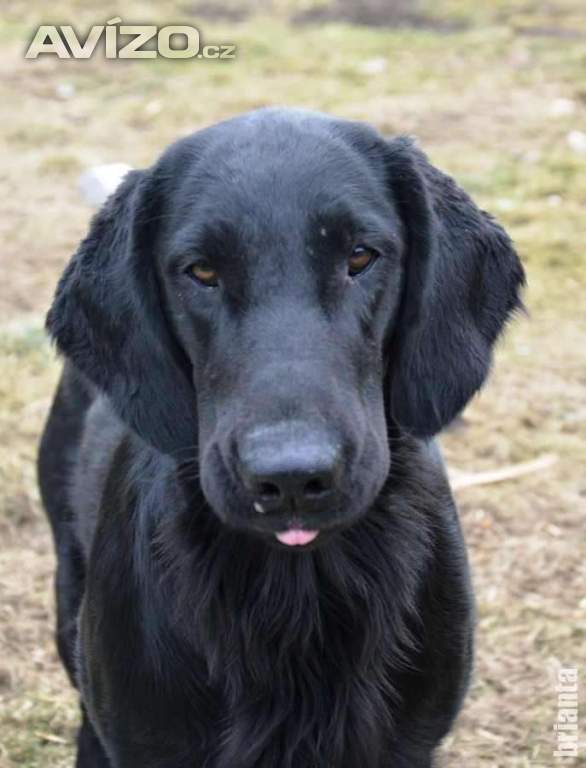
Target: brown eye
[360, 259]
[204, 274]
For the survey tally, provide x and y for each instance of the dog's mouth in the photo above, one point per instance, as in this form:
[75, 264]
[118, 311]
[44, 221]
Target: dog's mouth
[301, 532]
[296, 537]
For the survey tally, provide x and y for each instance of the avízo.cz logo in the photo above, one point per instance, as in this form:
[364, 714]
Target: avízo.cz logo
[147, 41]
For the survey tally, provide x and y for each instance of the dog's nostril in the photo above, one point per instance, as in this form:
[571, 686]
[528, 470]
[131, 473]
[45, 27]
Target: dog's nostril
[269, 491]
[315, 487]
[288, 469]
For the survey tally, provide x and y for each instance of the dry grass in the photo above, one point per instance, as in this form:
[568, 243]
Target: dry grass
[492, 102]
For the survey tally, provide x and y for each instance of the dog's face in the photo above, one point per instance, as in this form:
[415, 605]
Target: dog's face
[273, 296]
[281, 282]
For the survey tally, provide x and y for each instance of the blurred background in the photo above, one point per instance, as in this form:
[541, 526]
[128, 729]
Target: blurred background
[496, 95]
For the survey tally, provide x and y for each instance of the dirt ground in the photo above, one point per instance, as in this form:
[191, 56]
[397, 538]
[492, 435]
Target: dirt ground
[496, 94]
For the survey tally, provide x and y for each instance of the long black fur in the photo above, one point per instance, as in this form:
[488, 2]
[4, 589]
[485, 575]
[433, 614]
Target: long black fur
[195, 641]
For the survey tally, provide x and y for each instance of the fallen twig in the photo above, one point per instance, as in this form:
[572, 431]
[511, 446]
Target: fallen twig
[51, 738]
[461, 479]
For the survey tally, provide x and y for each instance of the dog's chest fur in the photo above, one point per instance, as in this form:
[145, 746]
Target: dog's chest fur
[302, 648]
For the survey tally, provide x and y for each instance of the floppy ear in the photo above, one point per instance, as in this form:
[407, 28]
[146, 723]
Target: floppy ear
[108, 318]
[462, 283]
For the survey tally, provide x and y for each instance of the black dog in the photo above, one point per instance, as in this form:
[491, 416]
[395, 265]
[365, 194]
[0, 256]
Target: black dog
[260, 562]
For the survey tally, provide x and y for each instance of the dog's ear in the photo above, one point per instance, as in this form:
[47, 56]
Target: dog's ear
[108, 318]
[462, 282]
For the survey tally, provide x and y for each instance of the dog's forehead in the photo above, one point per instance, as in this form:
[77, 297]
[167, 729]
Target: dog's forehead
[274, 157]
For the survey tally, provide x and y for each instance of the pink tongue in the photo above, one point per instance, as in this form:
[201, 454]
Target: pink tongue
[296, 537]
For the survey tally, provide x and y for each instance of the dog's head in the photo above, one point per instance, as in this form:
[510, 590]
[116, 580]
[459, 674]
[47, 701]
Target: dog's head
[272, 297]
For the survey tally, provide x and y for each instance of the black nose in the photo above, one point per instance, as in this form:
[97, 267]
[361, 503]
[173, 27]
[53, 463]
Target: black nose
[289, 468]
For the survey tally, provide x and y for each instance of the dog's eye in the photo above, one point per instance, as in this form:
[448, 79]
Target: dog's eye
[361, 258]
[204, 274]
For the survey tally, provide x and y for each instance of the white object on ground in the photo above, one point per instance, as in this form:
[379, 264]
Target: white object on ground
[562, 107]
[373, 66]
[98, 183]
[577, 141]
[65, 90]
